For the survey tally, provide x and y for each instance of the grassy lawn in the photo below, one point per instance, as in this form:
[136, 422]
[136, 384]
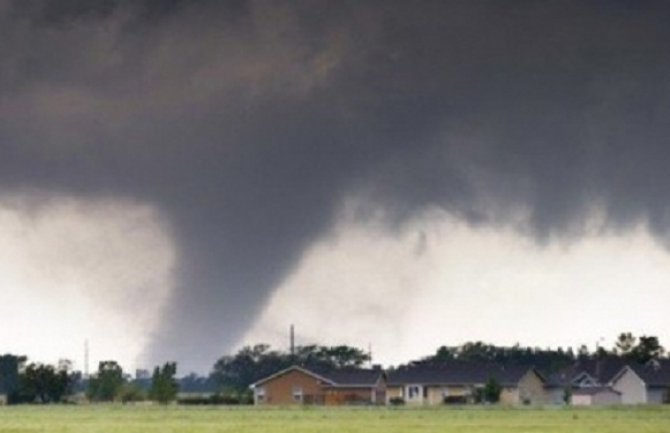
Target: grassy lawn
[101, 418]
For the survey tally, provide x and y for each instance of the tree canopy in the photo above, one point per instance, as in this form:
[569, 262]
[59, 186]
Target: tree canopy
[252, 363]
[164, 386]
[106, 384]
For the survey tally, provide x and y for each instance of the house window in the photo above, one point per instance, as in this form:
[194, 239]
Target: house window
[413, 392]
[260, 394]
[297, 394]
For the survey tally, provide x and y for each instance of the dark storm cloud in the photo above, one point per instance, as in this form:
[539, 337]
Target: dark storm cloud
[247, 124]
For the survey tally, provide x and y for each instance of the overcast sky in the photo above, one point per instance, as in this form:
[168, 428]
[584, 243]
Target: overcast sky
[178, 178]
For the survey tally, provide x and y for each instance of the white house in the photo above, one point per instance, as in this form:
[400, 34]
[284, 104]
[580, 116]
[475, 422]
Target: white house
[595, 396]
[649, 384]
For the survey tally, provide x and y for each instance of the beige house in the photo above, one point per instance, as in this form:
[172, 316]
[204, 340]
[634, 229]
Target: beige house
[298, 385]
[595, 396]
[458, 382]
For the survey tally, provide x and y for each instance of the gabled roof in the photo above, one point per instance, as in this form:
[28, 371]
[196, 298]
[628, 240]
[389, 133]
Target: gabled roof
[289, 369]
[459, 373]
[350, 377]
[602, 371]
[354, 377]
[656, 373]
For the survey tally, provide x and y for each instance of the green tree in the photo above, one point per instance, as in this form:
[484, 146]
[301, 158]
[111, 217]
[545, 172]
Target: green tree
[131, 392]
[647, 348]
[164, 387]
[45, 383]
[625, 344]
[492, 390]
[107, 382]
[235, 373]
[9, 376]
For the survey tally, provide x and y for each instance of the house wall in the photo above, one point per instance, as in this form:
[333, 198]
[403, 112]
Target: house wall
[605, 398]
[393, 392]
[510, 396]
[554, 395]
[435, 394]
[602, 398]
[341, 396]
[581, 400]
[379, 392]
[633, 390]
[531, 389]
[656, 395]
[279, 390]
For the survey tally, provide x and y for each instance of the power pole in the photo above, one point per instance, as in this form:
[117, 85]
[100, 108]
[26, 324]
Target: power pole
[86, 358]
[292, 337]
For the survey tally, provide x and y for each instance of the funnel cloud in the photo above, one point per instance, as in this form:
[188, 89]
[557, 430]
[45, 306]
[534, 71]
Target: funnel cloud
[247, 125]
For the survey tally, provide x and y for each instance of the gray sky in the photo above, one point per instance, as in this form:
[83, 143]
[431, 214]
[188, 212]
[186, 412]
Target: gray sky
[197, 155]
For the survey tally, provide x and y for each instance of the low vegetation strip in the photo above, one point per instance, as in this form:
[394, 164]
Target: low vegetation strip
[150, 419]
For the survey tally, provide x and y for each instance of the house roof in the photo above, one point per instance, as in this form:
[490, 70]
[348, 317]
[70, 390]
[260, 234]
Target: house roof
[354, 377]
[656, 373]
[602, 370]
[459, 373]
[349, 377]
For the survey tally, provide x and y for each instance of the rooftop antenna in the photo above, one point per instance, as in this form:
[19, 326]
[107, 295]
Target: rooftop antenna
[86, 358]
[370, 354]
[292, 336]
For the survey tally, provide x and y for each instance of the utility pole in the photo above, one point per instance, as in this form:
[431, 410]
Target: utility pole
[292, 337]
[86, 358]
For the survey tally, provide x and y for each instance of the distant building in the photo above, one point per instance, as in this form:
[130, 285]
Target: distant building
[142, 374]
[459, 382]
[644, 384]
[595, 396]
[582, 374]
[298, 385]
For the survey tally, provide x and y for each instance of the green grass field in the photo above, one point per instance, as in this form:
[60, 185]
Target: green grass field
[101, 418]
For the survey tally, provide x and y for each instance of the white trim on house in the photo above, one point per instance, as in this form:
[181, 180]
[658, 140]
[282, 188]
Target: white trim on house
[621, 373]
[584, 380]
[414, 393]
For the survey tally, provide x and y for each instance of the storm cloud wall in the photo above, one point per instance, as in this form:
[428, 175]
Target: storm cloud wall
[247, 124]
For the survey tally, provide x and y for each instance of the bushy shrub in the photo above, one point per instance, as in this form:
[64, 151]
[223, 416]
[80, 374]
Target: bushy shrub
[492, 391]
[455, 399]
[218, 399]
[397, 401]
[131, 393]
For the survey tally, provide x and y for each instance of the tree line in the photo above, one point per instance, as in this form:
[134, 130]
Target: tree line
[231, 375]
[24, 382]
[626, 347]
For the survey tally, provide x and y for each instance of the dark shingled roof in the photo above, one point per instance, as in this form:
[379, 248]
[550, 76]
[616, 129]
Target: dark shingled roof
[353, 377]
[337, 378]
[655, 373]
[458, 373]
[602, 370]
